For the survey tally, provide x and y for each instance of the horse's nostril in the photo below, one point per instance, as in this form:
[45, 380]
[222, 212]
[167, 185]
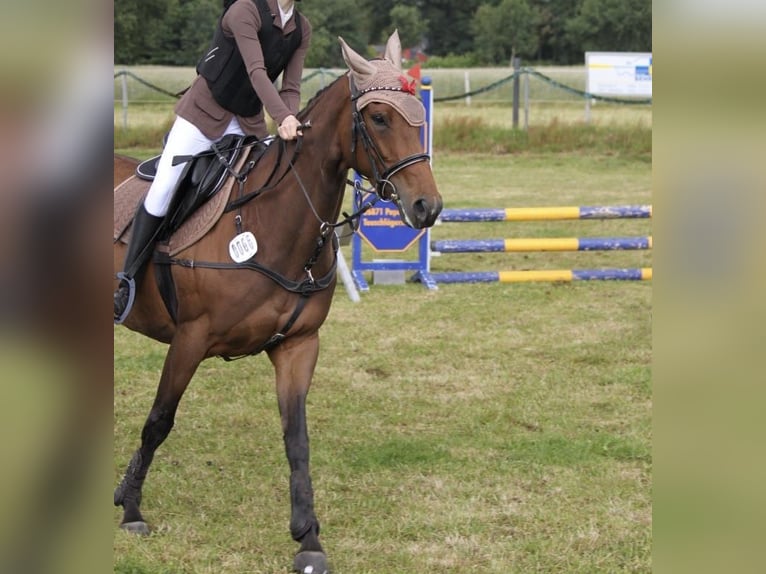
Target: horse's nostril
[420, 210]
[425, 211]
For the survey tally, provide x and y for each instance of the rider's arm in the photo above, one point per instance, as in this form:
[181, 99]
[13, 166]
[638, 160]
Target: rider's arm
[243, 21]
[291, 77]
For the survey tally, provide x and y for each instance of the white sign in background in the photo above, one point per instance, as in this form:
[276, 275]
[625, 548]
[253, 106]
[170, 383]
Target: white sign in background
[619, 73]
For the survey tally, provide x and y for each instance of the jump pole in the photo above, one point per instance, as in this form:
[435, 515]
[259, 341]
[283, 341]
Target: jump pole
[637, 274]
[548, 213]
[544, 244]
[521, 245]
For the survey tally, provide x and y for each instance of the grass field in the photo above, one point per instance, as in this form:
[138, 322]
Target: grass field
[490, 428]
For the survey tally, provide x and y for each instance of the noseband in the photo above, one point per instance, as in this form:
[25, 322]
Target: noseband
[381, 173]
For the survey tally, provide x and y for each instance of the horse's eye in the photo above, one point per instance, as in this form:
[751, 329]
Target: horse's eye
[378, 119]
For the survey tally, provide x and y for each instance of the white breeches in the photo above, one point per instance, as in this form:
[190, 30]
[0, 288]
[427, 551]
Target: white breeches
[184, 139]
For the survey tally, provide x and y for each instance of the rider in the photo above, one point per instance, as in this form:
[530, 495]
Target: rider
[255, 41]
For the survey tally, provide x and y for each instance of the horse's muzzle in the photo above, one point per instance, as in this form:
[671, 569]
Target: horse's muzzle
[424, 211]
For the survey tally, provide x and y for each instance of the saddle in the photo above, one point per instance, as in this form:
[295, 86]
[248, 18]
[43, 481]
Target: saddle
[202, 177]
[200, 196]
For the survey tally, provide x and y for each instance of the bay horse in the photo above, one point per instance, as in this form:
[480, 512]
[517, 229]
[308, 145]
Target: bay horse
[124, 167]
[367, 120]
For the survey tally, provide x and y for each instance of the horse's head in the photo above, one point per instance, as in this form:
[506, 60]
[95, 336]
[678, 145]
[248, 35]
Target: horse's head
[387, 118]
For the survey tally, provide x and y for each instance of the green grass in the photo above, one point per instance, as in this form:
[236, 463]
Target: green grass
[543, 113]
[481, 428]
[475, 135]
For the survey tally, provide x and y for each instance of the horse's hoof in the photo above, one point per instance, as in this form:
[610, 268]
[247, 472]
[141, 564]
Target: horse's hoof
[137, 527]
[310, 562]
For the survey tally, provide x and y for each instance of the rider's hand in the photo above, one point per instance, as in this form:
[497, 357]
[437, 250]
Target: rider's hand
[288, 129]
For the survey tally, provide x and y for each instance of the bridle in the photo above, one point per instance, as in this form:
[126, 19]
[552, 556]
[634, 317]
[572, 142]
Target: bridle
[381, 173]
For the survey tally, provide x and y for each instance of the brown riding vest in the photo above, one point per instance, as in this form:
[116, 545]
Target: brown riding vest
[224, 70]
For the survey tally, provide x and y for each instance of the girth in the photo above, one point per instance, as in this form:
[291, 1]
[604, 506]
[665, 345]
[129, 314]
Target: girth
[304, 288]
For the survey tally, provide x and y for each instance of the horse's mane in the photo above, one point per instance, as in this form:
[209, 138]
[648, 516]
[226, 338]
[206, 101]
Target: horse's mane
[315, 98]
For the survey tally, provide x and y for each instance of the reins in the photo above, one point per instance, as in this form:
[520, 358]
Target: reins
[242, 199]
[352, 220]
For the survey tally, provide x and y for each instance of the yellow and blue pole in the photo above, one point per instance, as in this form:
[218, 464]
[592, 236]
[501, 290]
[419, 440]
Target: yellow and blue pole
[636, 274]
[548, 213]
[524, 244]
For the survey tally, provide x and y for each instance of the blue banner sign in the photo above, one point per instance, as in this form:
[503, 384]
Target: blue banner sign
[383, 229]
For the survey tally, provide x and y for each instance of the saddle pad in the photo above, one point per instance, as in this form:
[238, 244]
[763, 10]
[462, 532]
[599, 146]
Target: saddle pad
[128, 194]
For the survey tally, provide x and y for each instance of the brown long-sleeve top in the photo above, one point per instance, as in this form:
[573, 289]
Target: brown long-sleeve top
[243, 21]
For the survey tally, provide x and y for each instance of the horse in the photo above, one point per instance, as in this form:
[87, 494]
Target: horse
[124, 167]
[368, 120]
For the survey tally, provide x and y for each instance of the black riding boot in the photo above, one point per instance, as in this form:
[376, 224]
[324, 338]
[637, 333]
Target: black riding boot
[145, 228]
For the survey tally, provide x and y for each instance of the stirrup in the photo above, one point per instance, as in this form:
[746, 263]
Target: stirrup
[131, 297]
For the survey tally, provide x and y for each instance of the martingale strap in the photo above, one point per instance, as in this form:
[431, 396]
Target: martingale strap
[277, 337]
[305, 287]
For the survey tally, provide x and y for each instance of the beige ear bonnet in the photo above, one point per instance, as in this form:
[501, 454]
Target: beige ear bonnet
[383, 81]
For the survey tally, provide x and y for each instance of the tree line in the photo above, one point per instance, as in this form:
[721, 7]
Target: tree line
[451, 32]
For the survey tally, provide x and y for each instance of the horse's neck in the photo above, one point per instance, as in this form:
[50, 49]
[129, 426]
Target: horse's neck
[326, 154]
[311, 191]
[330, 117]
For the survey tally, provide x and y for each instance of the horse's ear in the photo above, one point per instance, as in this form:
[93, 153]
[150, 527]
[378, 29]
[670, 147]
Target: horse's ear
[360, 67]
[394, 50]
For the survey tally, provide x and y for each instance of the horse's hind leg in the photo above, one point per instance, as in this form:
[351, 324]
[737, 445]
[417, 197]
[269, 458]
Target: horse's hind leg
[184, 356]
[294, 363]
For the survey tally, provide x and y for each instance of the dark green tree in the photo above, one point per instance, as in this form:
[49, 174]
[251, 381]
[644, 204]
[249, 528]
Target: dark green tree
[612, 26]
[197, 19]
[502, 31]
[173, 32]
[449, 26]
[177, 32]
[410, 23]
[126, 26]
[330, 19]
[554, 44]
[374, 18]
[139, 27]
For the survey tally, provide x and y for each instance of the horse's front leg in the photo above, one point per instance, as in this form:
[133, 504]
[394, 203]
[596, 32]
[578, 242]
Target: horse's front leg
[184, 356]
[294, 363]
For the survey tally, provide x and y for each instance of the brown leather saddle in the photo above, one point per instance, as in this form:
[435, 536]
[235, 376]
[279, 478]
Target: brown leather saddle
[201, 194]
